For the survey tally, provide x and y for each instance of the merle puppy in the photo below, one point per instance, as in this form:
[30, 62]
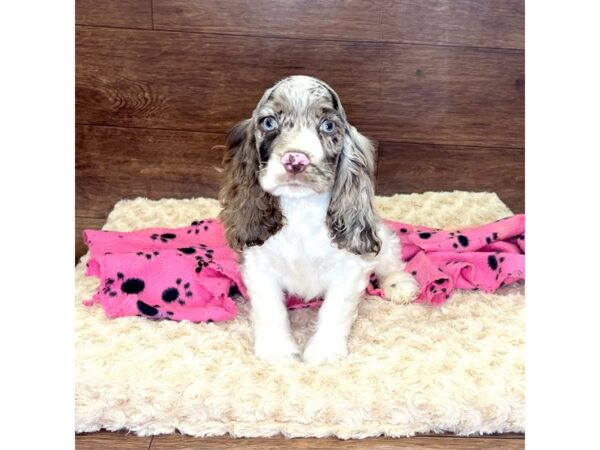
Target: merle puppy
[298, 203]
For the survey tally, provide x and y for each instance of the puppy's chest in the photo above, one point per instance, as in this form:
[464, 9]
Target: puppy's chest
[305, 260]
[303, 243]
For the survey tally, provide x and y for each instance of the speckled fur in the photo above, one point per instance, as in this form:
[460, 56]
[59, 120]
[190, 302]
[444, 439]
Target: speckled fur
[327, 233]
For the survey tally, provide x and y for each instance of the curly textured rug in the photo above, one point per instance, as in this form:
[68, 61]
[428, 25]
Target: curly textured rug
[411, 369]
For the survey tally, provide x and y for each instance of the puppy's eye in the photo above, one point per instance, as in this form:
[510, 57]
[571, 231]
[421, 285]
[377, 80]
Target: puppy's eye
[269, 124]
[327, 126]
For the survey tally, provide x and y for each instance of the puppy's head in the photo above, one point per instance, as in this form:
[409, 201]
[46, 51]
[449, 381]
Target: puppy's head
[298, 143]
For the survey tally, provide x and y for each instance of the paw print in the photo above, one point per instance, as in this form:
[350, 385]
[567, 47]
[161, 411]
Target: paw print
[108, 287]
[492, 262]
[203, 261]
[440, 282]
[495, 263]
[127, 286]
[461, 239]
[209, 254]
[492, 238]
[153, 312]
[165, 237]
[171, 294]
[425, 234]
[202, 250]
[199, 225]
[148, 255]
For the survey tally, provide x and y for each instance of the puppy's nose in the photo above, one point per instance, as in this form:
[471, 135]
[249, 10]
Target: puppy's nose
[294, 162]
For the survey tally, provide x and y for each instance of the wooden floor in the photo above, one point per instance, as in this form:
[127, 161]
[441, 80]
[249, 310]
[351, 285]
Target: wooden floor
[107, 440]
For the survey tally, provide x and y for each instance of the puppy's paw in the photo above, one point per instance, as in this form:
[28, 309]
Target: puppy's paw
[320, 351]
[277, 350]
[400, 288]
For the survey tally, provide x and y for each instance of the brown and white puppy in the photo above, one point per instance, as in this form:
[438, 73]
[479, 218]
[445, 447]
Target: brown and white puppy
[297, 202]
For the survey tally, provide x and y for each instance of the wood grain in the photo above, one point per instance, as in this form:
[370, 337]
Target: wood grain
[390, 91]
[451, 95]
[333, 19]
[203, 82]
[121, 441]
[180, 442]
[114, 163]
[116, 13]
[411, 167]
[82, 223]
[480, 23]
[103, 440]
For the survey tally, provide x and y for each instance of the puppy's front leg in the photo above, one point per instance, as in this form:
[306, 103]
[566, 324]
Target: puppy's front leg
[336, 316]
[273, 340]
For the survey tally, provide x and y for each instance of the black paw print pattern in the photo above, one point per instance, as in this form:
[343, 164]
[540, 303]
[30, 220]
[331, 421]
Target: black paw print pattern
[127, 286]
[152, 311]
[203, 255]
[178, 293]
[204, 261]
[201, 263]
[199, 225]
[164, 237]
[461, 239]
[494, 263]
[440, 286]
[202, 248]
[423, 234]
[148, 255]
[493, 237]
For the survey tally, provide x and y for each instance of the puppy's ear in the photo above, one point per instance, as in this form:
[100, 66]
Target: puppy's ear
[250, 214]
[351, 218]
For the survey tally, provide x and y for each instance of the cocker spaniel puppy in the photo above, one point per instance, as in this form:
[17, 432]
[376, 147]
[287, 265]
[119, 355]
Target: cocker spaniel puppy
[297, 202]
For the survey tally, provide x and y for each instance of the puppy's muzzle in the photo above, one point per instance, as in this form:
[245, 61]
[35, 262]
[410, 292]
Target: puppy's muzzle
[295, 162]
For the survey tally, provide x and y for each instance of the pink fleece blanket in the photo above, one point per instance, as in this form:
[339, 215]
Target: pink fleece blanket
[190, 273]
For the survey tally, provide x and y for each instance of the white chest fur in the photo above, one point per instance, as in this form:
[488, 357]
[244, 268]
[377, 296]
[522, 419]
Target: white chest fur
[301, 257]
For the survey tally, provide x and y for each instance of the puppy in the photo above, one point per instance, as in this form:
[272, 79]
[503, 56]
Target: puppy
[297, 201]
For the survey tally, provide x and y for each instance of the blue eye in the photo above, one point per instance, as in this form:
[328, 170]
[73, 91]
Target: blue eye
[269, 123]
[327, 126]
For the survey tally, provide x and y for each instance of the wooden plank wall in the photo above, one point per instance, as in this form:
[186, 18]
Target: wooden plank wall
[439, 84]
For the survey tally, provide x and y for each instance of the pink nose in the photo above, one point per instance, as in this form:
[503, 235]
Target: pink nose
[294, 162]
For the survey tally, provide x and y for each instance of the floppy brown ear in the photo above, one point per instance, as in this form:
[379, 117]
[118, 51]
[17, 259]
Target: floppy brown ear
[250, 215]
[351, 218]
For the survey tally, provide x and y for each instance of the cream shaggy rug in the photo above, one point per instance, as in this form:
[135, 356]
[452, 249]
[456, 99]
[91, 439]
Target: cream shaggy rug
[411, 369]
